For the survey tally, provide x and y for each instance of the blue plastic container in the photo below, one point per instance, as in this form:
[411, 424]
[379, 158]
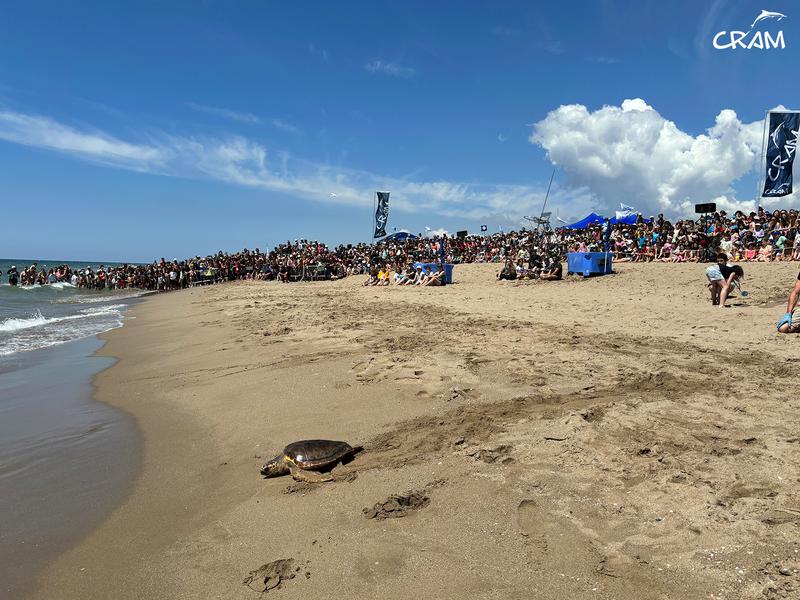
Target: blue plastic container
[448, 270]
[589, 263]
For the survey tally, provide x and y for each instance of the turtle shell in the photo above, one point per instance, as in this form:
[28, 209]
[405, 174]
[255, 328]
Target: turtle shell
[313, 455]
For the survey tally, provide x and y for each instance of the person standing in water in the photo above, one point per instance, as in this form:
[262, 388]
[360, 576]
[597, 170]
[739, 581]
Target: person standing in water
[13, 275]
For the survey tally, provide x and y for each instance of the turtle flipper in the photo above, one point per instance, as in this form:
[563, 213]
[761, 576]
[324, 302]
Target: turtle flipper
[310, 476]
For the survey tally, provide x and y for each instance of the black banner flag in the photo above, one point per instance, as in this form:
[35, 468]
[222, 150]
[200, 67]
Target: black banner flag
[781, 146]
[381, 214]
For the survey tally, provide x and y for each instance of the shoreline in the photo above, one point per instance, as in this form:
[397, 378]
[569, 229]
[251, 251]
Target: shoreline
[149, 501]
[68, 459]
[449, 395]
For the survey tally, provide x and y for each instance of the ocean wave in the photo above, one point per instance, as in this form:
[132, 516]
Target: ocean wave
[23, 343]
[65, 293]
[16, 324]
[102, 310]
[38, 331]
[37, 319]
[59, 285]
[93, 297]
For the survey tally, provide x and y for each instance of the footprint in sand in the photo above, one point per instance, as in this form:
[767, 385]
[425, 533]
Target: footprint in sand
[566, 555]
[362, 366]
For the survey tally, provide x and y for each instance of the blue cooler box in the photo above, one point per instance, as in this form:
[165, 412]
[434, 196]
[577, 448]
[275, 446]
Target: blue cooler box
[448, 270]
[589, 263]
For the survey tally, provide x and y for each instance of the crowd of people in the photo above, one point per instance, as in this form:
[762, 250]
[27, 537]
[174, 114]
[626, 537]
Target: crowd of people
[547, 267]
[758, 236]
[399, 274]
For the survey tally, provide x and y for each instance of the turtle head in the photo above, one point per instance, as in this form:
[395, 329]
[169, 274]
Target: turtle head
[275, 467]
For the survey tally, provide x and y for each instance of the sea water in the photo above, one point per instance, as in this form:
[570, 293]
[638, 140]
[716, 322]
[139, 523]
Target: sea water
[65, 460]
[39, 316]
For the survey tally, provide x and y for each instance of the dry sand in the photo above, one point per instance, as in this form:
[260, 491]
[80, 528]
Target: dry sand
[610, 438]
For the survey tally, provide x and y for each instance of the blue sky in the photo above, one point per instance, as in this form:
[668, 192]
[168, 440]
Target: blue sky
[130, 131]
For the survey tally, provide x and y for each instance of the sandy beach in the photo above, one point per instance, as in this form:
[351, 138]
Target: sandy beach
[610, 438]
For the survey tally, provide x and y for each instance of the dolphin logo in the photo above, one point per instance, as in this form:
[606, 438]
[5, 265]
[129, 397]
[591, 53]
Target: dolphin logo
[767, 14]
[752, 38]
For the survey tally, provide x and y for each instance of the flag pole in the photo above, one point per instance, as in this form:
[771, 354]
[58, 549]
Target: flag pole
[762, 157]
[372, 219]
[547, 194]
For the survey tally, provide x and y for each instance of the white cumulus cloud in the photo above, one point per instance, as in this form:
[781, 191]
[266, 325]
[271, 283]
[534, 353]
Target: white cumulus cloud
[440, 231]
[631, 154]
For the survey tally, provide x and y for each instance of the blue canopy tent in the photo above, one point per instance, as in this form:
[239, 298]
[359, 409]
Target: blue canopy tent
[594, 218]
[629, 220]
[589, 219]
[400, 236]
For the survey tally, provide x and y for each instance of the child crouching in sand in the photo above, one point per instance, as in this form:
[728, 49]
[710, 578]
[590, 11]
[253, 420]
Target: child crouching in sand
[720, 279]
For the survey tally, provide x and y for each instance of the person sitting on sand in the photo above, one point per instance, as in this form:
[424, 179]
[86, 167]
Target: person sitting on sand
[720, 279]
[408, 276]
[372, 276]
[434, 276]
[383, 276]
[283, 273]
[421, 276]
[646, 253]
[779, 249]
[678, 254]
[339, 271]
[426, 275]
[765, 252]
[508, 272]
[399, 275]
[664, 253]
[553, 271]
[532, 272]
[418, 276]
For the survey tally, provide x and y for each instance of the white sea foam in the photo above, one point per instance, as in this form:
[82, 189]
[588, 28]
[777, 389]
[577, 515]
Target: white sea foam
[58, 286]
[38, 320]
[102, 310]
[18, 334]
[16, 324]
[96, 298]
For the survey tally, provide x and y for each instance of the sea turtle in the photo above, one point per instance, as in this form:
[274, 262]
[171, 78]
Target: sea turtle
[310, 460]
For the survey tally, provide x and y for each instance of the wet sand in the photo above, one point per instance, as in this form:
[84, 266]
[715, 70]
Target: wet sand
[65, 460]
[610, 438]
